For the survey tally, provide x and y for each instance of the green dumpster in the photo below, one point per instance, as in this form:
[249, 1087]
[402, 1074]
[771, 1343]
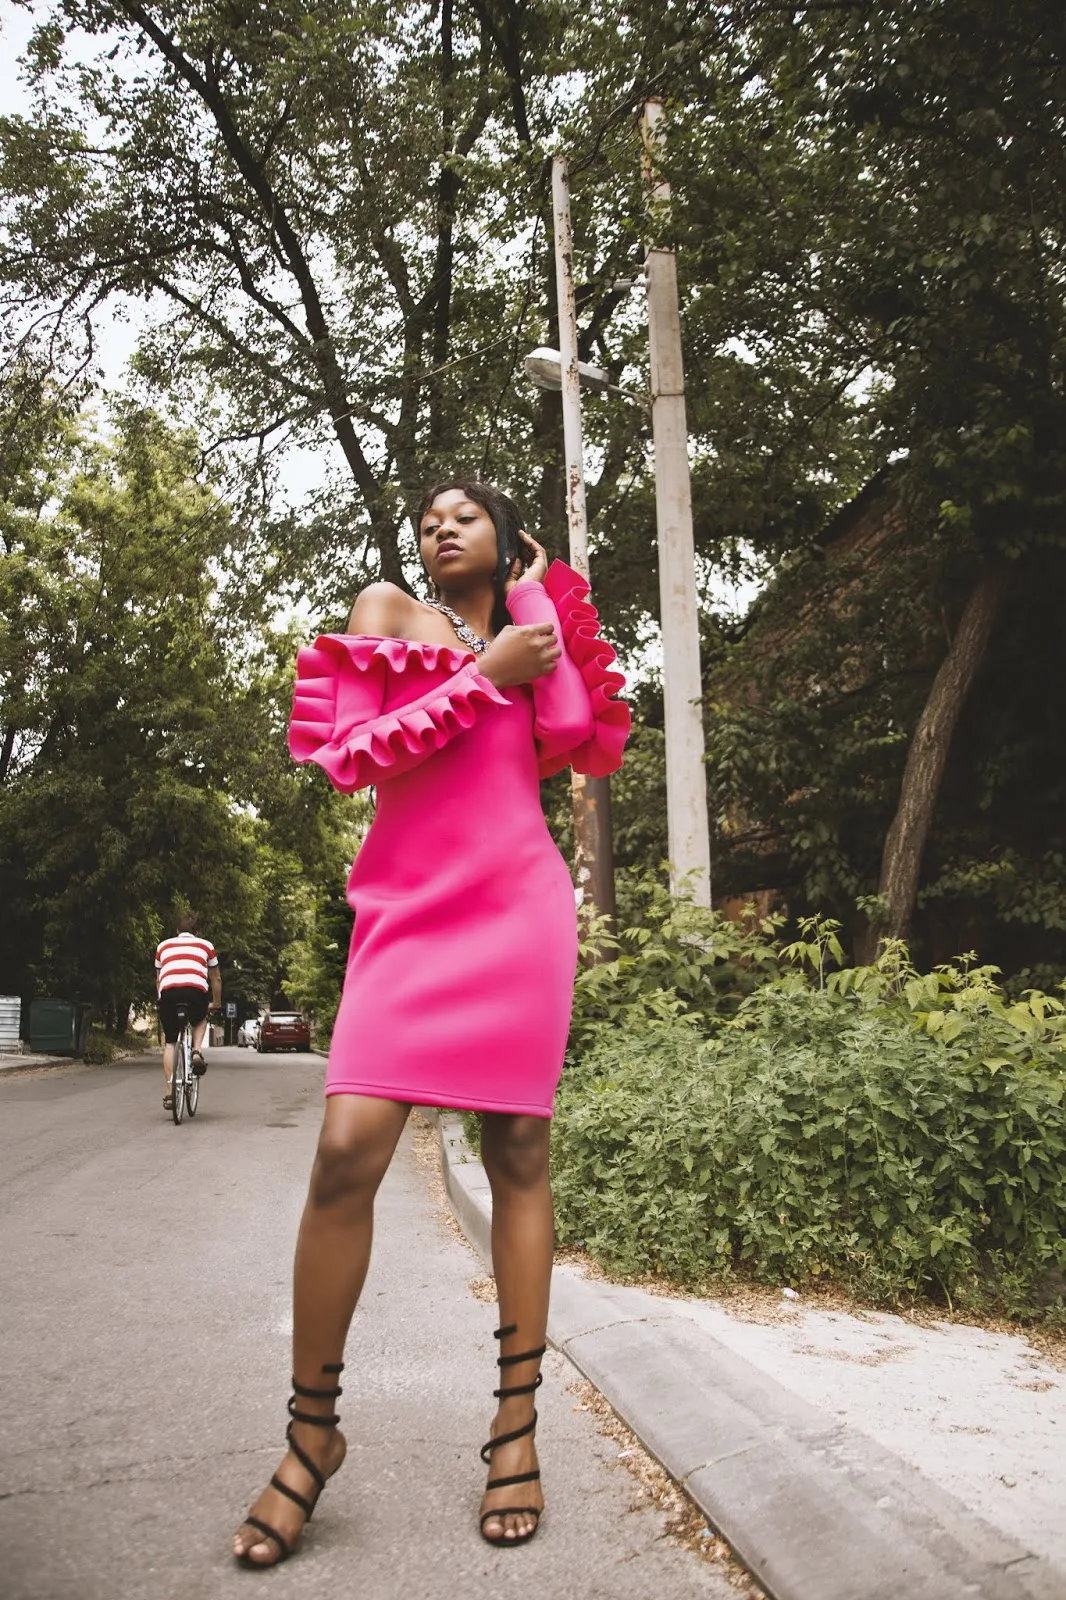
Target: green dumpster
[58, 1027]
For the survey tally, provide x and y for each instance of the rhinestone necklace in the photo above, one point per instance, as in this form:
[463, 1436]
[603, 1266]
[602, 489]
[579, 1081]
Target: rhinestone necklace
[463, 629]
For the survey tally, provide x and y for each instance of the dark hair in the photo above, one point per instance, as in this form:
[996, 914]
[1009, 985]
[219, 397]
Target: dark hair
[188, 922]
[507, 520]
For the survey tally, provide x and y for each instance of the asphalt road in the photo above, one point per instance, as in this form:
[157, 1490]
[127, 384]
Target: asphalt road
[144, 1348]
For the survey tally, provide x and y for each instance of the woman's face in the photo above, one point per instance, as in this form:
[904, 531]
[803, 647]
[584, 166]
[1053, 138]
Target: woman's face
[457, 541]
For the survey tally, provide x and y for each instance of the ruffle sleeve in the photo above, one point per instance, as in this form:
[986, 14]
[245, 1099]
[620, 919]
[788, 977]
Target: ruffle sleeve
[594, 658]
[366, 710]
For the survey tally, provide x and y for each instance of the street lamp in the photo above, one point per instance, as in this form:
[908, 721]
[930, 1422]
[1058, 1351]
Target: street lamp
[561, 371]
[544, 367]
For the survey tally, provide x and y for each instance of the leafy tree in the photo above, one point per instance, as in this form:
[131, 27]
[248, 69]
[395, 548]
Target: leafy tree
[338, 221]
[318, 959]
[873, 195]
[118, 700]
[343, 211]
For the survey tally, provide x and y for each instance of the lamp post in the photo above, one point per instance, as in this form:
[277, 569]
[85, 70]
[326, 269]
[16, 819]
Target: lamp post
[591, 797]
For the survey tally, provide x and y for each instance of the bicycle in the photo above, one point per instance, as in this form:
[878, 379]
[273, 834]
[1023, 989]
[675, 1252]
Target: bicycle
[184, 1083]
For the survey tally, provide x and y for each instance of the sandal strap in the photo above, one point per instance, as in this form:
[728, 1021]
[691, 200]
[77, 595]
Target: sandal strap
[271, 1533]
[316, 1394]
[309, 1417]
[305, 1505]
[525, 1355]
[506, 1438]
[305, 1461]
[518, 1477]
[330, 1368]
[511, 1511]
[519, 1388]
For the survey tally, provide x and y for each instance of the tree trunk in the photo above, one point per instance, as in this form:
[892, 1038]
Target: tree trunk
[7, 750]
[927, 758]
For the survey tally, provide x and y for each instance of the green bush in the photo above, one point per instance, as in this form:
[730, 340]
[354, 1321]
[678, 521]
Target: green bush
[103, 1047]
[674, 958]
[903, 1133]
[99, 1048]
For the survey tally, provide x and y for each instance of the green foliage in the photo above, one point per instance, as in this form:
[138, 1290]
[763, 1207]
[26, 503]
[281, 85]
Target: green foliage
[901, 1132]
[100, 1049]
[142, 753]
[331, 219]
[672, 959]
[317, 961]
[871, 198]
[807, 736]
[870, 207]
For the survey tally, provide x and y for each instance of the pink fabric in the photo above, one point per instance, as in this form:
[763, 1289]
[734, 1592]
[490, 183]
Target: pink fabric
[461, 968]
[365, 709]
[578, 721]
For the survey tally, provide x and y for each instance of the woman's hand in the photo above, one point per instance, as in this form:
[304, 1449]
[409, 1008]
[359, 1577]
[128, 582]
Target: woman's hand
[520, 654]
[536, 570]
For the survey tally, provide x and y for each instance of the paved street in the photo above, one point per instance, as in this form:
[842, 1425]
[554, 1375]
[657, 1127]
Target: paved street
[144, 1348]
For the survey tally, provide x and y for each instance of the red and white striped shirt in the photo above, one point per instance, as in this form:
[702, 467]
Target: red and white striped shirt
[184, 961]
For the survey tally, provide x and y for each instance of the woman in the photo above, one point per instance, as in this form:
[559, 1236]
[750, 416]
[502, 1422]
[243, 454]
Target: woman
[460, 975]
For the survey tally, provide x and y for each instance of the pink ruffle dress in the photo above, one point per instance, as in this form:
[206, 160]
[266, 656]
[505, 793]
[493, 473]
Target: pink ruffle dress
[461, 970]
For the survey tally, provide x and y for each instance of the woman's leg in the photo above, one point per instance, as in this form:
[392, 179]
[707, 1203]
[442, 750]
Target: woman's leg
[358, 1138]
[514, 1151]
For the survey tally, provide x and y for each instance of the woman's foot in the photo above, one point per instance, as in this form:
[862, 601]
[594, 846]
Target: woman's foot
[498, 1524]
[326, 1450]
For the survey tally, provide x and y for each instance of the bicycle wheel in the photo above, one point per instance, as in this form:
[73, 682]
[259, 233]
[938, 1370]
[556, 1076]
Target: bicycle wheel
[177, 1082]
[192, 1089]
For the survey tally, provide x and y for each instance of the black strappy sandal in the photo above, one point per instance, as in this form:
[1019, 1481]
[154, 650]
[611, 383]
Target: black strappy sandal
[508, 1438]
[306, 1506]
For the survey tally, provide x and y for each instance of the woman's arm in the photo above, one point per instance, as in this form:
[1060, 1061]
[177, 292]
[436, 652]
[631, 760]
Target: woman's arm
[567, 740]
[367, 708]
[563, 716]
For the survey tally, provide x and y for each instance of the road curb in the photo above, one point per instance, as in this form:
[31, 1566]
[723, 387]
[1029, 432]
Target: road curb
[812, 1509]
[35, 1063]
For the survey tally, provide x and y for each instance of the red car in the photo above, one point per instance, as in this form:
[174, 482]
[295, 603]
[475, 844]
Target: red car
[284, 1030]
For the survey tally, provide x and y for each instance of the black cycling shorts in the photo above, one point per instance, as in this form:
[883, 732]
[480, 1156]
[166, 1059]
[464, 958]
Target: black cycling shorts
[192, 1001]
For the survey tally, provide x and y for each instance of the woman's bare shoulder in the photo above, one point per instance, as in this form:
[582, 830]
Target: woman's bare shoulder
[384, 611]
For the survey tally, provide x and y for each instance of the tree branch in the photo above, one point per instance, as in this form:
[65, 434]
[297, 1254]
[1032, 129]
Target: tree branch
[251, 169]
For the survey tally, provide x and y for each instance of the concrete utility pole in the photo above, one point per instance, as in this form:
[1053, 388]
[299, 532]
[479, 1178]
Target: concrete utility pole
[593, 851]
[686, 777]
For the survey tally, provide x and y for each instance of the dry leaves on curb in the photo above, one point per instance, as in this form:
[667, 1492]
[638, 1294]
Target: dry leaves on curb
[685, 1522]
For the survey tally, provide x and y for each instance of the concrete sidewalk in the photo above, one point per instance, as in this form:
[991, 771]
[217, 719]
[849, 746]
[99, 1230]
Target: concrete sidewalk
[10, 1062]
[842, 1457]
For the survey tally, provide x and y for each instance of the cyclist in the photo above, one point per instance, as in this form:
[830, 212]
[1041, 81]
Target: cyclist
[187, 978]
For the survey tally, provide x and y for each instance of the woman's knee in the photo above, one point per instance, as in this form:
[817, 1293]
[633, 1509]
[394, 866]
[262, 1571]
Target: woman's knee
[346, 1171]
[514, 1150]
